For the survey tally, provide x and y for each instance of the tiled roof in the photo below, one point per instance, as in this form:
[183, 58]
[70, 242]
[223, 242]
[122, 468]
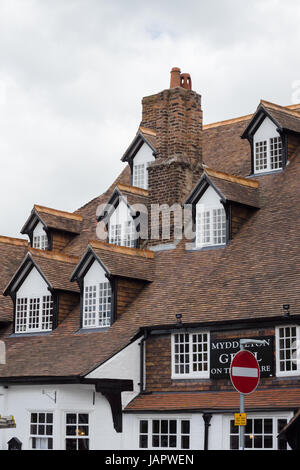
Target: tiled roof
[59, 220]
[286, 118]
[57, 269]
[12, 252]
[235, 189]
[125, 262]
[240, 281]
[259, 400]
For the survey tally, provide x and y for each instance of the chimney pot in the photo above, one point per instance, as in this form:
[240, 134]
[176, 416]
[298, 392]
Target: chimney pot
[175, 78]
[186, 81]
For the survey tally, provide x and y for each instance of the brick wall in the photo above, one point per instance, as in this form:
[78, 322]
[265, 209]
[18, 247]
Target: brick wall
[158, 366]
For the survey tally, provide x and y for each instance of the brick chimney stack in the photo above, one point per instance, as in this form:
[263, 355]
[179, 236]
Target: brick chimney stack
[176, 116]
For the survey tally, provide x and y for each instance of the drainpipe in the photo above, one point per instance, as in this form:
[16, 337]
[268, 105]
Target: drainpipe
[142, 358]
[207, 418]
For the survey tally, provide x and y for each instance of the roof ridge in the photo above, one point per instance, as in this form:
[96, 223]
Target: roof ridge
[57, 256]
[13, 241]
[290, 108]
[278, 107]
[234, 179]
[49, 210]
[132, 189]
[228, 121]
[122, 249]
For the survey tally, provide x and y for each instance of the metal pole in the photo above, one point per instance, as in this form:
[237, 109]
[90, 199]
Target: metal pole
[242, 410]
[242, 396]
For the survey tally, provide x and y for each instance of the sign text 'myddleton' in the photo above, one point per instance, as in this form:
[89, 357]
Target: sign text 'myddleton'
[223, 351]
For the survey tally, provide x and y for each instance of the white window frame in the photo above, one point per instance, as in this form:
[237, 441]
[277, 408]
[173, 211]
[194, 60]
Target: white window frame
[39, 436]
[207, 223]
[191, 374]
[287, 373]
[268, 141]
[150, 433]
[27, 314]
[98, 308]
[274, 417]
[77, 437]
[40, 242]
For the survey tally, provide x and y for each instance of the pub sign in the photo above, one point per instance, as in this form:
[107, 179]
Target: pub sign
[222, 352]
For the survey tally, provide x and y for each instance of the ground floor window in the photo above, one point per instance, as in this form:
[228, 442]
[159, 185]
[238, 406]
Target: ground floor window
[41, 431]
[164, 434]
[77, 431]
[260, 433]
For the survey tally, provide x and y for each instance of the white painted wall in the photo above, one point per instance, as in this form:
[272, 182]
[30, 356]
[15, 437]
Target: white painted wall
[124, 365]
[94, 275]
[39, 230]
[144, 155]
[20, 401]
[33, 286]
[209, 199]
[266, 130]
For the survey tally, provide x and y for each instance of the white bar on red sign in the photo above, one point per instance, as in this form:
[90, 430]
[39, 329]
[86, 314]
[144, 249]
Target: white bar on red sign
[244, 372]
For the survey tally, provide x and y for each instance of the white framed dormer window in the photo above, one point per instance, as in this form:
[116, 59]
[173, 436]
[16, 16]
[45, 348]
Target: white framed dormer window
[140, 175]
[34, 305]
[97, 299]
[121, 228]
[211, 229]
[141, 162]
[190, 355]
[287, 350]
[267, 148]
[39, 238]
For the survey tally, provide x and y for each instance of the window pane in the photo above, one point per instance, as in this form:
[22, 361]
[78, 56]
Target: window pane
[71, 444]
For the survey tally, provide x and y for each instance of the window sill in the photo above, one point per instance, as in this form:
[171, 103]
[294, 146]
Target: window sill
[265, 173]
[206, 248]
[37, 333]
[92, 330]
[189, 377]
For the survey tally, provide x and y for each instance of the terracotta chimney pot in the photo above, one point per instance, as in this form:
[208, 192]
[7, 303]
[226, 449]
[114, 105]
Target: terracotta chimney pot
[175, 78]
[186, 81]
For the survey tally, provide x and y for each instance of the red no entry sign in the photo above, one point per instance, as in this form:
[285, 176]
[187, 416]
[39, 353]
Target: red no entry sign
[244, 372]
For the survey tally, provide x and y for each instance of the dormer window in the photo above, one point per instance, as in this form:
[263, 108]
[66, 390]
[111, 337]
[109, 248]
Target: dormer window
[39, 237]
[40, 242]
[121, 227]
[140, 154]
[210, 220]
[34, 305]
[34, 314]
[140, 175]
[268, 154]
[97, 298]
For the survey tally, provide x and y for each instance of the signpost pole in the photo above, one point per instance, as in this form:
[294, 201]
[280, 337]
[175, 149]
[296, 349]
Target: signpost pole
[243, 342]
[242, 410]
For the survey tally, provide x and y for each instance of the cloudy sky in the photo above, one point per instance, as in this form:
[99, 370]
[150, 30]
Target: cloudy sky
[73, 72]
